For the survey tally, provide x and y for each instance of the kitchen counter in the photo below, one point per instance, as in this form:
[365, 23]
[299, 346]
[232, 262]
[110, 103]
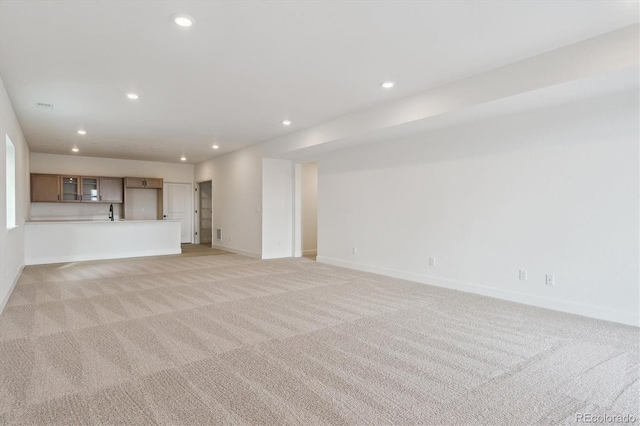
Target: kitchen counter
[58, 241]
[36, 222]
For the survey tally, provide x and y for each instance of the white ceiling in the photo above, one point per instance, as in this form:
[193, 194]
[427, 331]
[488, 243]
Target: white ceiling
[612, 83]
[245, 66]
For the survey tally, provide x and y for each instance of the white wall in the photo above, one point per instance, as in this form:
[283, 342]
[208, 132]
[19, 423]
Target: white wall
[553, 192]
[309, 198]
[236, 182]
[277, 208]
[12, 241]
[91, 166]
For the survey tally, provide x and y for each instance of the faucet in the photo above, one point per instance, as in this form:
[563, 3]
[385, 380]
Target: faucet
[111, 212]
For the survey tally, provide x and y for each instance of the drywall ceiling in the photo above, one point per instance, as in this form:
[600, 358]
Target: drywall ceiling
[245, 66]
[601, 86]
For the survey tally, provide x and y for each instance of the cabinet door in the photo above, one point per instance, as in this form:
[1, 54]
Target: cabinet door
[45, 188]
[70, 188]
[111, 190]
[134, 182]
[153, 183]
[90, 189]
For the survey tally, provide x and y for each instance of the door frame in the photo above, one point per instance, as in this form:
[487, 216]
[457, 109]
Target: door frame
[197, 218]
[190, 205]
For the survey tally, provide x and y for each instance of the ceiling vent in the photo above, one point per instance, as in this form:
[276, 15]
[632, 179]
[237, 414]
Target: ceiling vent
[43, 105]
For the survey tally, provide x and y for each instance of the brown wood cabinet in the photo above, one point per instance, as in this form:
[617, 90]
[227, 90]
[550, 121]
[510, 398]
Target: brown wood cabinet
[150, 183]
[134, 182]
[89, 189]
[153, 183]
[45, 188]
[70, 188]
[111, 190]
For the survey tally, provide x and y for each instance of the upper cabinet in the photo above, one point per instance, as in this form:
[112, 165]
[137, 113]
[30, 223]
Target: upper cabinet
[90, 189]
[134, 182]
[153, 183]
[111, 190]
[70, 188]
[150, 183]
[74, 189]
[45, 188]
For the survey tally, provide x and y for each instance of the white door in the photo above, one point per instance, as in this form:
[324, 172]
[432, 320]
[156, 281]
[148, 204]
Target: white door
[176, 200]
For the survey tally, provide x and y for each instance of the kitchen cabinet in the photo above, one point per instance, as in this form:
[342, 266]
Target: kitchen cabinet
[70, 188]
[150, 183]
[90, 189]
[45, 188]
[111, 190]
[153, 183]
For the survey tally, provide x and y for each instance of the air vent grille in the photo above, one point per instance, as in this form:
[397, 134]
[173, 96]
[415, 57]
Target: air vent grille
[44, 105]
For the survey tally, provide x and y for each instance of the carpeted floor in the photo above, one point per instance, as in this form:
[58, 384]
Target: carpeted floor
[228, 339]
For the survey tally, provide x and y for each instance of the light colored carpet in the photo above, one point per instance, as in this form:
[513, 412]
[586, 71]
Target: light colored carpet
[228, 339]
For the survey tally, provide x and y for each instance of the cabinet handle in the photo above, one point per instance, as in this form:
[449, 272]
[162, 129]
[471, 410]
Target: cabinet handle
[101, 198]
[58, 197]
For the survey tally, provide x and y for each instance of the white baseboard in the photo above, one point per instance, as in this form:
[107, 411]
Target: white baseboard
[591, 311]
[313, 252]
[13, 285]
[247, 253]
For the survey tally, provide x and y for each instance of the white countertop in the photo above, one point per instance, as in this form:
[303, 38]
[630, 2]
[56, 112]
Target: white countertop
[85, 221]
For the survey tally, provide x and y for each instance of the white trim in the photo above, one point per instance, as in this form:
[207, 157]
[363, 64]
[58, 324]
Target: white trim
[253, 254]
[197, 213]
[190, 216]
[629, 318]
[3, 304]
[313, 252]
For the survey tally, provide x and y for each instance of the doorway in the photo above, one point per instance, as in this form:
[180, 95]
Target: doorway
[177, 204]
[206, 209]
[306, 210]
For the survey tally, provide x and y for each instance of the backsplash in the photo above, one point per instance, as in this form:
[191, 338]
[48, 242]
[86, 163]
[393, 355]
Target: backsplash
[73, 211]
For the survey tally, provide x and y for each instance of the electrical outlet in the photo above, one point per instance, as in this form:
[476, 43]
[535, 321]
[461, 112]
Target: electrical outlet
[522, 274]
[432, 261]
[549, 280]
[230, 238]
[354, 250]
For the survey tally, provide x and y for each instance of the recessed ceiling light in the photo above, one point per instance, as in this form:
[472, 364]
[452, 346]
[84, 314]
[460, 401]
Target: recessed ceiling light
[82, 132]
[286, 122]
[75, 149]
[215, 147]
[132, 96]
[183, 20]
[183, 158]
[388, 84]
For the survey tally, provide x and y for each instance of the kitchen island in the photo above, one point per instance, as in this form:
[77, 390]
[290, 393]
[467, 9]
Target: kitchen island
[58, 241]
